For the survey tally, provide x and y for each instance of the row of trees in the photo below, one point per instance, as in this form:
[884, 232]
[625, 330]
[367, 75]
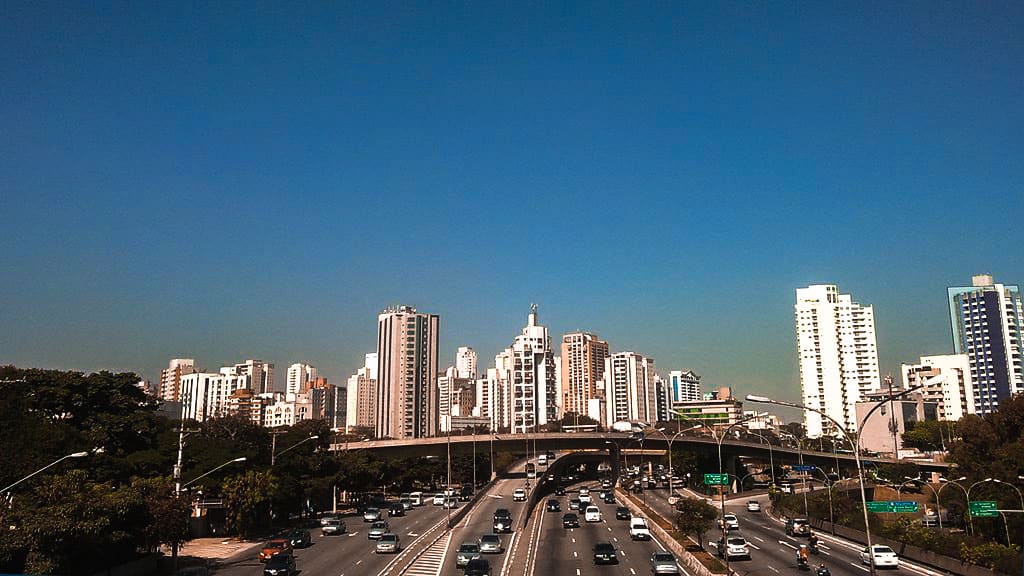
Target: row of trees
[85, 514]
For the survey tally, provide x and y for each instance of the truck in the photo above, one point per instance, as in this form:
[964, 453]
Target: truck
[627, 426]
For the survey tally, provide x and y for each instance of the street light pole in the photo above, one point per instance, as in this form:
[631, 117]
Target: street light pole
[54, 463]
[177, 494]
[967, 502]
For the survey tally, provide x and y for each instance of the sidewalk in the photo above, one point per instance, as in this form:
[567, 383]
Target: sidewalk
[218, 548]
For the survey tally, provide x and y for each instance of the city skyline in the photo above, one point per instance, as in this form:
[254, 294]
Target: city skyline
[663, 176]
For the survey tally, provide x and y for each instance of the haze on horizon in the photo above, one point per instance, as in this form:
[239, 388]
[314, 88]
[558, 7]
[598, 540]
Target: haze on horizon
[260, 181]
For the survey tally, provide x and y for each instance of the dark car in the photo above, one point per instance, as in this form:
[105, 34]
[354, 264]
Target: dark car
[622, 513]
[300, 538]
[502, 520]
[570, 521]
[554, 506]
[604, 553]
[609, 498]
[280, 565]
[478, 567]
[396, 509]
[466, 493]
[560, 491]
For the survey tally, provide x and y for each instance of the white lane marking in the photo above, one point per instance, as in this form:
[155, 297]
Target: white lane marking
[358, 563]
[574, 540]
[754, 546]
[773, 569]
[412, 534]
[632, 571]
[575, 554]
[759, 539]
[577, 572]
[855, 565]
[623, 552]
[784, 543]
[615, 539]
[352, 534]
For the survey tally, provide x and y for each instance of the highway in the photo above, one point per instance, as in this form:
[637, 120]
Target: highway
[773, 552]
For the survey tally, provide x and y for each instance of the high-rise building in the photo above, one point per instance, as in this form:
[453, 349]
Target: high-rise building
[407, 399]
[261, 374]
[361, 396]
[170, 378]
[493, 399]
[582, 365]
[684, 386]
[987, 321]
[465, 362]
[456, 397]
[209, 394]
[838, 356]
[326, 402]
[630, 389]
[300, 377]
[947, 382]
[532, 374]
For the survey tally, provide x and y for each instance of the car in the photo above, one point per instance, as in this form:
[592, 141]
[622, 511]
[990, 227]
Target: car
[554, 506]
[371, 515]
[273, 548]
[585, 498]
[730, 522]
[300, 538]
[622, 513]
[604, 553]
[396, 509]
[451, 503]
[606, 484]
[280, 565]
[753, 506]
[467, 551]
[638, 529]
[325, 519]
[570, 520]
[477, 567]
[491, 544]
[333, 527]
[930, 518]
[574, 504]
[438, 500]
[736, 547]
[466, 493]
[884, 557]
[584, 491]
[560, 491]
[592, 514]
[519, 495]
[664, 563]
[609, 499]
[377, 529]
[502, 520]
[550, 477]
[406, 503]
[388, 543]
[798, 527]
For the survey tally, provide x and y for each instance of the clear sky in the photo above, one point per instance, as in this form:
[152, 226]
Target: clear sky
[259, 180]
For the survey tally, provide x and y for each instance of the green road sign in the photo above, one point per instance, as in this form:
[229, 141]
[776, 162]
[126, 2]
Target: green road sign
[716, 479]
[893, 506]
[983, 508]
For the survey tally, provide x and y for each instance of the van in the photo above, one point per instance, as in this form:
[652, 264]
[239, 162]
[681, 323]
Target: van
[542, 459]
[417, 498]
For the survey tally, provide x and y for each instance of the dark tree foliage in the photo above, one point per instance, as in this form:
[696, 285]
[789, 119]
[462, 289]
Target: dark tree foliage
[694, 517]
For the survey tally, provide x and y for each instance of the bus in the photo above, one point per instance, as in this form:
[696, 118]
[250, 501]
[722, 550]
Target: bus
[531, 470]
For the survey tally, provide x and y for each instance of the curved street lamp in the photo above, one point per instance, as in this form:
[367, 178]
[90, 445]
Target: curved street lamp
[197, 478]
[671, 470]
[54, 463]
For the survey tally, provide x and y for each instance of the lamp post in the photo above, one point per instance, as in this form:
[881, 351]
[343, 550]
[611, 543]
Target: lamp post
[800, 451]
[938, 506]
[967, 496]
[996, 481]
[671, 470]
[54, 463]
[771, 456]
[273, 461]
[178, 487]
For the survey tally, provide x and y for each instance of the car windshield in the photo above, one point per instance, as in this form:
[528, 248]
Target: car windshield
[278, 561]
[663, 557]
[883, 550]
[737, 541]
[378, 525]
[388, 538]
[490, 539]
[469, 548]
[604, 548]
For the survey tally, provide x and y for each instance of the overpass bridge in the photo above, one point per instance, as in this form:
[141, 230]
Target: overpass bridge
[615, 442]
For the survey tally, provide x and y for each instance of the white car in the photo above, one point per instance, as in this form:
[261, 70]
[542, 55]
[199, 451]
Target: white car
[519, 495]
[585, 496]
[753, 506]
[736, 547]
[638, 529]
[438, 500]
[592, 514]
[884, 557]
[730, 521]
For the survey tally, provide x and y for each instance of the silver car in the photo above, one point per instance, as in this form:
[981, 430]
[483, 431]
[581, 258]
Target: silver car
[664, 563]
[371, 515]
[467, 551]
[490, 544]
[387, 544]
[377, 530]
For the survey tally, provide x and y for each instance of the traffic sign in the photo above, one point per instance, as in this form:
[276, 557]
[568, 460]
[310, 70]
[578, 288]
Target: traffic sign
[893, 506]
[803, 468]
[983, 508]
[716, 479]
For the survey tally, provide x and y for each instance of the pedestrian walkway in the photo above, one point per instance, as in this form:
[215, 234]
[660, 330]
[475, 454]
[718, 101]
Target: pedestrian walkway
[431, 561]
[217, 548]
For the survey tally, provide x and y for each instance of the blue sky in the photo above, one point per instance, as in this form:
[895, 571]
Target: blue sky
[259, 180]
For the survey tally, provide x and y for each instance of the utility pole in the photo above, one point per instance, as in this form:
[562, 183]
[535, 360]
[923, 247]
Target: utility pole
[892, 419]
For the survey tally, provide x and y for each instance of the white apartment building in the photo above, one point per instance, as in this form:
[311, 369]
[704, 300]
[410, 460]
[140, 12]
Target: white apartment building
[282, 412]
[582, 366]
[465, 362]
[684, 386]
[300, 376]
[630, 390]
[361, 395]
[209, 394]
[260, 373]
[949, 383]
[494, 398]
[838, 356]
[407, 398]
[532, 374]
[170, 378]
[988, 325]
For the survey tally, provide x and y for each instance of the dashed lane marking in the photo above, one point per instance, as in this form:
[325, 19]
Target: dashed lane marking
[855, 565]
[773, 569]
[759, 539]
[787, 544]
[754, 546]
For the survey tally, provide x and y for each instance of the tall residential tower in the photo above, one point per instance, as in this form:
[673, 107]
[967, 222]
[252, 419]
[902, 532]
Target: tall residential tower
[838, 356]
[407, 346]
[583, 356]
